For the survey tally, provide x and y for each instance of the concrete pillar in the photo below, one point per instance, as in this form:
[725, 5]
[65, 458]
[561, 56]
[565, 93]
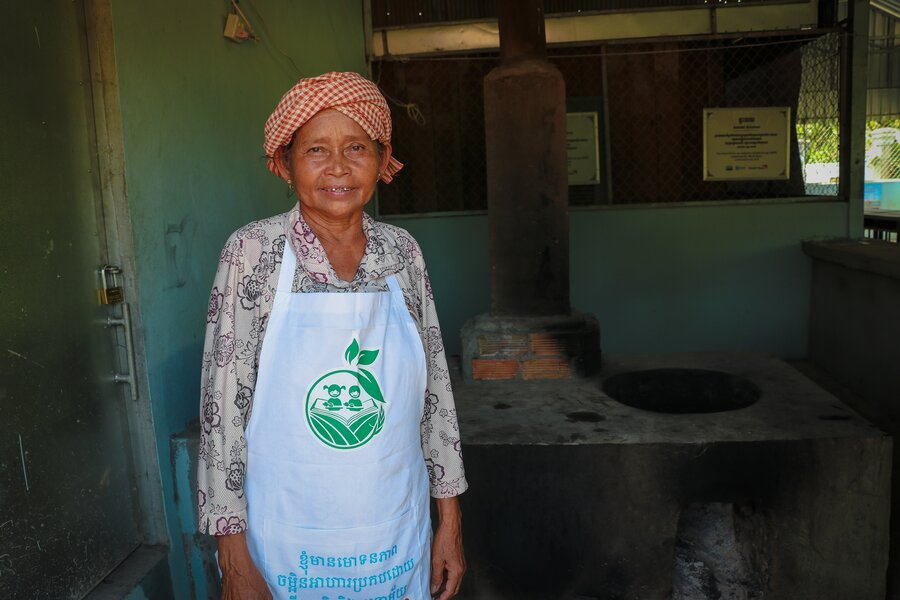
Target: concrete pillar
[525, 136]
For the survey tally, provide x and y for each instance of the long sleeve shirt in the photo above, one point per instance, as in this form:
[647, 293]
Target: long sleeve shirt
[239, 306]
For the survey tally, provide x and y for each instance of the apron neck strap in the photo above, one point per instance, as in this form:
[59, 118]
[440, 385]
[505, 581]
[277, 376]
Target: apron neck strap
[288, 267]
[395, 287]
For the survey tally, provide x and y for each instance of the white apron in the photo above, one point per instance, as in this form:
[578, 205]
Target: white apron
[336, 484]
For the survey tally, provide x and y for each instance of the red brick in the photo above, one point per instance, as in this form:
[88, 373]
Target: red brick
[503, 344]
[548, 344]
[485, 368]
[546, 368]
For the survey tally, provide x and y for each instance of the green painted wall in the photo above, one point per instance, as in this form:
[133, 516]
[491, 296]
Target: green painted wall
[685, 278]
[193, 108]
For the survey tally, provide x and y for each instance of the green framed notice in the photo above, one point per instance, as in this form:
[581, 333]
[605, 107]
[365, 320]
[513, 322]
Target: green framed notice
[746, 144]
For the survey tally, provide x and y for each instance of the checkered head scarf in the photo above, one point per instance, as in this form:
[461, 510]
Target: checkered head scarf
[349, 93]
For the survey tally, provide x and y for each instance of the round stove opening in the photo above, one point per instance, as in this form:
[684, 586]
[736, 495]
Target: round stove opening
[681, 391]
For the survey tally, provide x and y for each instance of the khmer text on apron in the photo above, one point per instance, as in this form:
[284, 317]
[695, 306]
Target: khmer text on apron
[336, 484]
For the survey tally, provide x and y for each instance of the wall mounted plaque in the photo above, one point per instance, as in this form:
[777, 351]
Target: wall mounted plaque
[583, 150]
[746, 143]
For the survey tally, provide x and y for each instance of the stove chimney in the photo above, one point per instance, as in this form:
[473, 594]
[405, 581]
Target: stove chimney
[530, 332]
[525, 139]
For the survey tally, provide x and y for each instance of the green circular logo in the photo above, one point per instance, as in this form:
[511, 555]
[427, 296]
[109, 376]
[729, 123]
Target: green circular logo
[345, 407]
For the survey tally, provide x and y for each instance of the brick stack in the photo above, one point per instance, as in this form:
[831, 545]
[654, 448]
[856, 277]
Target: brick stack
[530, 348]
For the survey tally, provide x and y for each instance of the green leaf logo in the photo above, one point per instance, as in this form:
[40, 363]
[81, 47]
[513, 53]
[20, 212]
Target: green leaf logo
[369, 384]
[345, 407]
[352, 351]
[356, 357]
[367, 357]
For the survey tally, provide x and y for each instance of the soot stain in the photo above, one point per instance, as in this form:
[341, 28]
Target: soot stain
[584, 416]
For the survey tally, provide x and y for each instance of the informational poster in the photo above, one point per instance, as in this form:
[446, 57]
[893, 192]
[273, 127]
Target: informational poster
[746, 143]
[582, 144]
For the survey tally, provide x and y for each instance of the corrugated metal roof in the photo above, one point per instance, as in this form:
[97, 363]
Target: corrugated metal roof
[891, 7]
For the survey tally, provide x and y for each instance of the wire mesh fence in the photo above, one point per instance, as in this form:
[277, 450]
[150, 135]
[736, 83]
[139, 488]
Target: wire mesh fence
[884, 66]
[650, 97]
[881, 197]
[882, 190]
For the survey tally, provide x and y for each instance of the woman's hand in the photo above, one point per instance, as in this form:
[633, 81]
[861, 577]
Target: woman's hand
[241, 579]
[448, 562]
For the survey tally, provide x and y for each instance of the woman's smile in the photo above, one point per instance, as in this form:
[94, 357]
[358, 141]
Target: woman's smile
[338, 191]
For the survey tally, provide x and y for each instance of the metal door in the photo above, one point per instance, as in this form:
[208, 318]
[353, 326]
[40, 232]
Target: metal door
[68, 511]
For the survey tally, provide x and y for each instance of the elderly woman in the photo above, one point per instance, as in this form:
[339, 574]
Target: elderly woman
[326, 406]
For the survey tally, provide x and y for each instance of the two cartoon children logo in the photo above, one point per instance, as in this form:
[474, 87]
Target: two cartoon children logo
[347, 421]
[335, 392]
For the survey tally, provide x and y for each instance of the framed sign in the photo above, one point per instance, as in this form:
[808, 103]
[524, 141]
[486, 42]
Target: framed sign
[583, 149]
[741, 144]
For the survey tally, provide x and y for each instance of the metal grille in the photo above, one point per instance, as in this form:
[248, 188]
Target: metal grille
[443, 150]
[882, 191]
[884, 66]
[653, 95]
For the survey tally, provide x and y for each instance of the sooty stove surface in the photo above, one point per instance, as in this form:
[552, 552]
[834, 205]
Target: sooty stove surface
[577, 495]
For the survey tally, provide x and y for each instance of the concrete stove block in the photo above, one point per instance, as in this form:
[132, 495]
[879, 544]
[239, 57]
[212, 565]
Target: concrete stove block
[576, 495]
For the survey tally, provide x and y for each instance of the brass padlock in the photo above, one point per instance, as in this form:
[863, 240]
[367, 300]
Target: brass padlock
[110, 292]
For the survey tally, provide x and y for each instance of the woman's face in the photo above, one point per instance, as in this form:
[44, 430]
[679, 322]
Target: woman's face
[334, 166]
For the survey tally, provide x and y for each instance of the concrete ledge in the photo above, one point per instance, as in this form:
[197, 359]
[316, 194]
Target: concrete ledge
[871, 256]
[199, 548]
[853, 335]
[606, 26]
[578, 412]
[854, 318]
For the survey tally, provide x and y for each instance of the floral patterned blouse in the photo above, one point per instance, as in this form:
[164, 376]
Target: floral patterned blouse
[239, 306]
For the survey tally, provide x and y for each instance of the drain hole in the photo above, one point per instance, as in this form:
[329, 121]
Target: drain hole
[584, 416]
[502, 405]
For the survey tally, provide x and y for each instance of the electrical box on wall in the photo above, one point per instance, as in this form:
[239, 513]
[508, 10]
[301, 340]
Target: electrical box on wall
[235, 29]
